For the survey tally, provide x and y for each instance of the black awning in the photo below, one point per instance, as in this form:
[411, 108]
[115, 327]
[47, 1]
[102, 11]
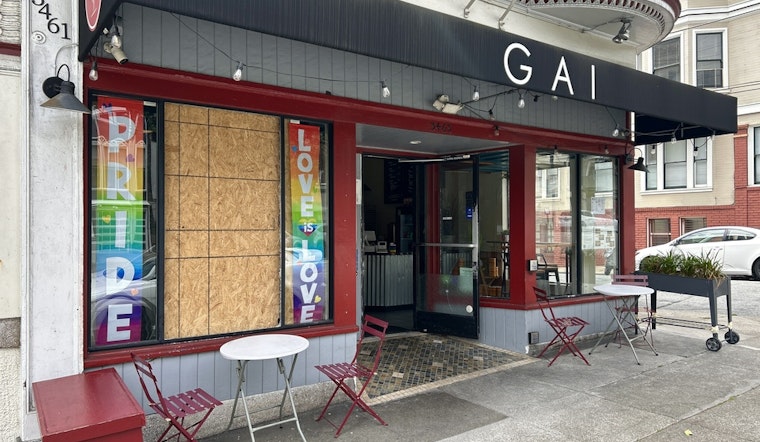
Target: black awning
[404, 33]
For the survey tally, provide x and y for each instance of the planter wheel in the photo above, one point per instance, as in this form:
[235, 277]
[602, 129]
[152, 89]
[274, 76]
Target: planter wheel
[713, 344]
[732, 337]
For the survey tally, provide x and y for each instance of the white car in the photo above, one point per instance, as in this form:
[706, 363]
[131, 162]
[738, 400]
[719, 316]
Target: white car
[737, 247]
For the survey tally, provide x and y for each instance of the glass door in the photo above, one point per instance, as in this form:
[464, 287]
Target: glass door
[446, 299]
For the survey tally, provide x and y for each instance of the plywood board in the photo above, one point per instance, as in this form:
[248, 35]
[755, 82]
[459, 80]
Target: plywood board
[171, 298]
[244, 120]
[238, 153]
[171, 148]
[193, 151]
[244, 242]
[193, 114]
[193, 243]
[193, 200]
[244, 293]
[244, 204]
[171, 202]
[193, 297]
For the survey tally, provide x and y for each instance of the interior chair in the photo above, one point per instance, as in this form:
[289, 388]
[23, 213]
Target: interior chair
[566, 329]
[174, 409]
[545, 269]
[643, 317]
[343, 372]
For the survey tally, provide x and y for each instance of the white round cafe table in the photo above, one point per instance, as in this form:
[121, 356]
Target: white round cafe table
[259, 348]
[627, 295]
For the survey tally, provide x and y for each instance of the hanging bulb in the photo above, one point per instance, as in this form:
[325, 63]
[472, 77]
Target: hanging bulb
[521, 102]
[490, 115]
[653, 149]
[386, 91]
[238, 72]
[475, 94]
[673, 139]
[116, 38]
[496, 131]
[606, 150]
[555, 98]
[535, 98]
[94, 71]
[616, 132]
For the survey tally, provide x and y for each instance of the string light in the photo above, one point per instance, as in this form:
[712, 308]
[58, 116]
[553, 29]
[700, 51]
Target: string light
[385, 90]
[94, 70]
[475, 94]
[521, 101]
[496, 131]
[238, 72]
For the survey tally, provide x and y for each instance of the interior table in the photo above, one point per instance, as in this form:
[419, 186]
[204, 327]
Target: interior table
[259, 348]
[620, 300]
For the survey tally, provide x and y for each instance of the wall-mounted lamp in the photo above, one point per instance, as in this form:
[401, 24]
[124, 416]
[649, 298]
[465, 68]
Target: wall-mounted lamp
[61, 93]
[639, 165]
[624, 33]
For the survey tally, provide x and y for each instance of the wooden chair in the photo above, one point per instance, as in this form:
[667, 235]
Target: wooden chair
[641, 316]
[566, 329]
[342, 372]
[174, 409]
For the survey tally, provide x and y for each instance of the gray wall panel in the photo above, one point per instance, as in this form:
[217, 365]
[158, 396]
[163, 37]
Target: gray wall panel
[170, 55]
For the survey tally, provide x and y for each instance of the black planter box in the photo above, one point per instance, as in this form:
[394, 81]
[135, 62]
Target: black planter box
[708, 288]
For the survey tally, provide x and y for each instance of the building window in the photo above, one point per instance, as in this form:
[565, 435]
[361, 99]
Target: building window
[690, 224]
[709, 59]
[666, 59]
[754, 152]
[547, 183]
[204, 222]
[578, 229]
[684, 164]
[659, 231]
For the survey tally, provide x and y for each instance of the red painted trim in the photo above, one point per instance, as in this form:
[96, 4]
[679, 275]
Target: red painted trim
[10, 49]
[344, 113]
[122, 355]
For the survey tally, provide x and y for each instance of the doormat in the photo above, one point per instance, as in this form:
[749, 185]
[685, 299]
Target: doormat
[414, 362]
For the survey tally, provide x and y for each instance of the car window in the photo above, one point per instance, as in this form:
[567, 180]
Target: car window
[738, 235]
[704, 236]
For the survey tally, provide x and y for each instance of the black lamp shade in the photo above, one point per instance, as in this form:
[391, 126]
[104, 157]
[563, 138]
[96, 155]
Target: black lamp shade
[64, 98]
[640, 166]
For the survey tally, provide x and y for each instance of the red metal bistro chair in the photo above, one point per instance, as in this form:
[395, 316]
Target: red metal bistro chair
[175, 408]
[342, 372]
[566, 329]
[638, 314]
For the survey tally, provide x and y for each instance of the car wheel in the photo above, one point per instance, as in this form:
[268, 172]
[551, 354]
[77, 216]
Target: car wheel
[756, 269]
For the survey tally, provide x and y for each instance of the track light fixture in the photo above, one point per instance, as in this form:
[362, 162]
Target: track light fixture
[442, 104]
[61, 93]
[238, 75]
[624, 33]
[385, 90]
[117, 53]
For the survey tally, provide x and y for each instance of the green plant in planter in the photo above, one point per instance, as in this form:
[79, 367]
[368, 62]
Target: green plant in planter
[705, 266]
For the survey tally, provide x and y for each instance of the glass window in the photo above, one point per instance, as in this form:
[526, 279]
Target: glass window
[690, 224]
[710, 59]
[684, 164]
[666, 59]
[237, 240]
[700, 161]
[659, 231]
[756, 154]
[704, 236]
[576, 232]
[652, 167]
[674, 164]
[493, 223]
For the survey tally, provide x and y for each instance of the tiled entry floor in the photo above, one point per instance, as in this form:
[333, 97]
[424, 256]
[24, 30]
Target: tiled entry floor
[412, 362]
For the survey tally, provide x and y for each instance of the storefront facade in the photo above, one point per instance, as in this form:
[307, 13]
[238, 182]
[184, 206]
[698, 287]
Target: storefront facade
[202, 204]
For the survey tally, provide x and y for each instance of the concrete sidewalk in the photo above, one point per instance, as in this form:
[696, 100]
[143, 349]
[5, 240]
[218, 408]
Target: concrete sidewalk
[686, 392]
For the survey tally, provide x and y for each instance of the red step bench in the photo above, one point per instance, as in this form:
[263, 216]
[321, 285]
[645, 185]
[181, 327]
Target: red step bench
[94, 405]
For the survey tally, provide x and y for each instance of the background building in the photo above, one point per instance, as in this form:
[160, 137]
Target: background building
[705, 181]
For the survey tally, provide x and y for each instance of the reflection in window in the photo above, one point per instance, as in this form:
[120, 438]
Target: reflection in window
[576, 231]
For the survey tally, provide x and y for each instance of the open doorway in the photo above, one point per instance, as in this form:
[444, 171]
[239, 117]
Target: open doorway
[389, 221]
